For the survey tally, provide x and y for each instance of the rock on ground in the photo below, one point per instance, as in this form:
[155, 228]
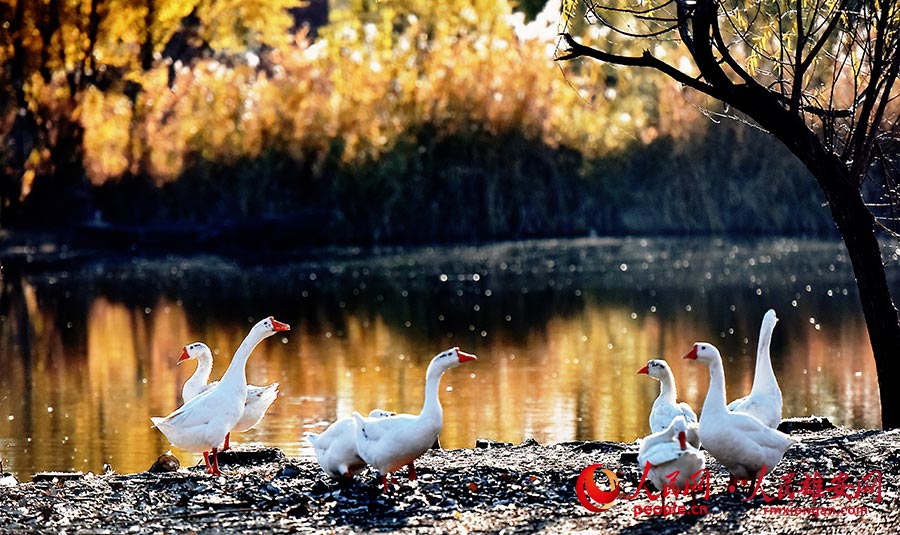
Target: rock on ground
[494, 488]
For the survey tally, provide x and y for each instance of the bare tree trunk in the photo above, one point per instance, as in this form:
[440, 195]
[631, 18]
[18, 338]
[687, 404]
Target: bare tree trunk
[857, 227]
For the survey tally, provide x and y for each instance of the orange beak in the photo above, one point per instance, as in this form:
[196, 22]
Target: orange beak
[184, 356]
[278, 326]
[463, 356]
[692, 354]
[645, 369]
[682, 439]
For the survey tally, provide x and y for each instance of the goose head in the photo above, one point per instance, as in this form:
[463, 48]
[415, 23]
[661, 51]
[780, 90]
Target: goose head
[450, 358]
[655, 368]
[270, 326]
[267, 327]
[704, 352]
[379, 413]
[197, 350]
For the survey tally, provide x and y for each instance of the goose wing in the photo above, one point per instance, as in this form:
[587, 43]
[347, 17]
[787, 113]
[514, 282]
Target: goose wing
[662, 415]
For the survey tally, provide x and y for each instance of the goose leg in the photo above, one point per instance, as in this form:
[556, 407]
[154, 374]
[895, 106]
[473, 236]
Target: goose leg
[412, 472]
[206, 459]
[227, 443]
[384, 482]
[214, 468]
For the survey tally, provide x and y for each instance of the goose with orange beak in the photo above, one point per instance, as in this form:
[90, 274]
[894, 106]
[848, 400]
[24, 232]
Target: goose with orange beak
[742, 443]
[201, 424]
[669, 460]
[666, 407]
[259, 398]
[388, 444]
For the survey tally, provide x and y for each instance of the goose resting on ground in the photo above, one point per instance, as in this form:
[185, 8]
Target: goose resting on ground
[336, 446]
[668, 452]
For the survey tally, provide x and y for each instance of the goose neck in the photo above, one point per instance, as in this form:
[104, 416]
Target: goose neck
[431, 408]
[198, 380]
[204, 369]
[237, 370]
[715, 395]
[667, 390]
[763, 375]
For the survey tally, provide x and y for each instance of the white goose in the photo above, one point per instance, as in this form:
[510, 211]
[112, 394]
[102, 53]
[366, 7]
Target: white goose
[197, 382]
[764, 400]
[202, 423]
[741, 443]
[668, 452]
[336, 446]
[390, 443]
[666, 407]
[259, 398]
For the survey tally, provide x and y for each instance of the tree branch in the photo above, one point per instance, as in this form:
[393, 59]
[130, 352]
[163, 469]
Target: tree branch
[858, 142]
[684, 12]
[703, 21]
[577, 50]
[799, 69]
[873, 128]
[826, 35]
[729, 60]
[628, 10]
[638, 35]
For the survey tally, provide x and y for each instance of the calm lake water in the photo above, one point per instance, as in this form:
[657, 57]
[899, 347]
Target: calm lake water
[87, 354]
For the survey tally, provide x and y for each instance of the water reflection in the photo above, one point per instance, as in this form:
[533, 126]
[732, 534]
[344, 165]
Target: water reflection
[560, 329]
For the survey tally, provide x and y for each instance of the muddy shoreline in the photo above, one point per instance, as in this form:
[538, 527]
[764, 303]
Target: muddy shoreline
[493, 488]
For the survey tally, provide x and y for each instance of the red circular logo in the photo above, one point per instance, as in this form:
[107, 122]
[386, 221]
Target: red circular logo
[589, 494]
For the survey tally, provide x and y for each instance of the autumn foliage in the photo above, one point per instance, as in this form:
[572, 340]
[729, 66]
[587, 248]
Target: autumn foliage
[395, 112]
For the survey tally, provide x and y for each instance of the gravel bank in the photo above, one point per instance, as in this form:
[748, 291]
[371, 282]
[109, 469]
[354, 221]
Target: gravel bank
[492, 488]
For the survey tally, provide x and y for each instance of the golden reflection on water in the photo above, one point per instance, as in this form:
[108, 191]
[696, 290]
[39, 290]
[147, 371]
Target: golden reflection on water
[77, 404]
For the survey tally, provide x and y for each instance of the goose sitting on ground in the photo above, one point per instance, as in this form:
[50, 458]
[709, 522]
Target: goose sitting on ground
[668, 452]
[259, 398]
[666, 407]
[741, 443]
[7, 479]
[764, 400]
[336, 447]
[200, 425]
[390, 443]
